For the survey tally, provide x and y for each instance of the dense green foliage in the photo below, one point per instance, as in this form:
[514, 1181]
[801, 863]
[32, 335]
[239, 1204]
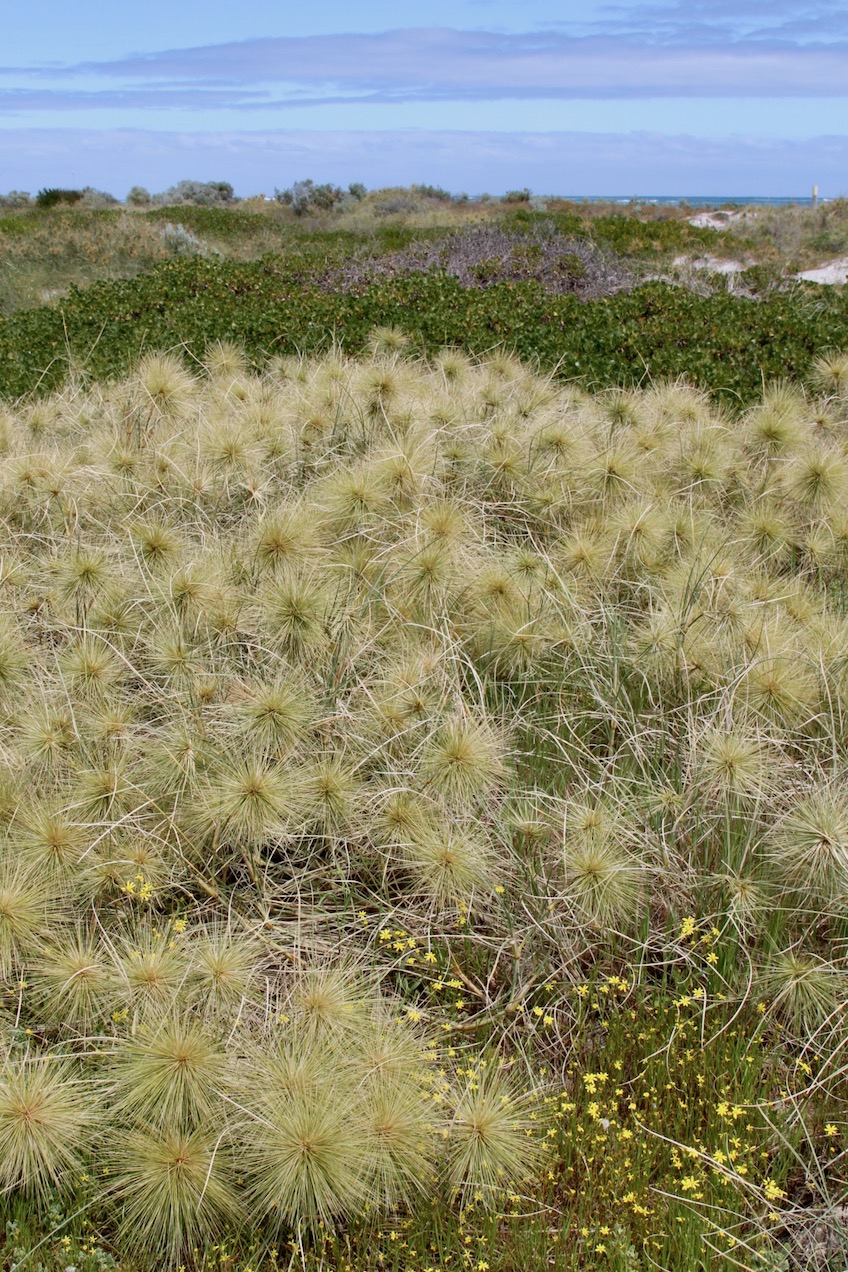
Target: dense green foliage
[631, 235]
[726, 343]
[216, 222]
[52, 197]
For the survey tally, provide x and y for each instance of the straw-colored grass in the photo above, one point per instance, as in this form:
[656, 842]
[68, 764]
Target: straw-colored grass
[423, 813]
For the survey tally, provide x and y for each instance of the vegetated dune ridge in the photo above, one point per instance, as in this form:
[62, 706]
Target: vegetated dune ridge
[424, 796]
[609, 294]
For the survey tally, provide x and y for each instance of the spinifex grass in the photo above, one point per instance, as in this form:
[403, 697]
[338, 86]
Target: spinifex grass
[390, 752]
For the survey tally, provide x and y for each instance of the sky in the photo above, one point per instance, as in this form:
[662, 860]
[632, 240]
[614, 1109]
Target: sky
[639, 97]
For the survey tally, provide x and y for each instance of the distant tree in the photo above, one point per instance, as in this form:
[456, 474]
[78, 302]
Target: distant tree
[205, 194]
[15, 199]
[432, 192]
[92, 198]
[305, 196]
[517, 196]
[138, 197]
[51, 197]
[357, 191]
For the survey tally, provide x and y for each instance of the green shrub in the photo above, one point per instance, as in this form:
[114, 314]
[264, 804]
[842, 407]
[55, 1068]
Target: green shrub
[51, 197]
[201, 193]
[726, 344]
[305, 196]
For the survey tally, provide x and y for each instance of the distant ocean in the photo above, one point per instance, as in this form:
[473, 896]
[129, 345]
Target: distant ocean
[692, 200]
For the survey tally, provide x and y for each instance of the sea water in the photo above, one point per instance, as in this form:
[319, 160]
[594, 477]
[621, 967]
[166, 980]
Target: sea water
[692, 200]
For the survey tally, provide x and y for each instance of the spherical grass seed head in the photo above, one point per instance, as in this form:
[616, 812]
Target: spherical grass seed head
[327, 1001]
[112, 615]
[465, 761]
[110, 724]
[604, 880]
[24, 900]
[656, 645]
[83, 573]
[386, 339]
[306, 1157]
[775, 425]
[584, 552]
[402, 816]
[225, 360]
[640, 531]
[387, 1049]
[174, 1188]
[104, 792]
[46, 1121]
[170, 1075]
[189, 589]
[804, 989]
[244, 802]
[829, 373]
[51, 839]
[527, 818]
[297, 610]
[782, 689]
[286, 537]
[450, 866]
[173, 659]
[504, 365]
[175, 761]
[488, 1145]
[380, 385]
[746, 898]
[809, 850]
[73, 980]
[296, 1063]
[327, 793]
[152, 970]
[429, 568]
[223, 967]
[613, 471]
[14, 659]
[733, 763]
[818, 479]
[90, 667]
[228, 446]
[820, 548]
[511, 642]
[47, 736]
[165, 383]
[405, 468]
[453, 364]
[156, 541]
[767, 531]
[445, 520]
[399, 1129]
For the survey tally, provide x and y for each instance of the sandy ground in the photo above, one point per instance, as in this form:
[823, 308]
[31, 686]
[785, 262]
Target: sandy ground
[834, 273]
[715, 264]
[716, 220]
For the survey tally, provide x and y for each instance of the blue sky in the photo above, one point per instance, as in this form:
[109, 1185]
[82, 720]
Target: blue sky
[568, 96]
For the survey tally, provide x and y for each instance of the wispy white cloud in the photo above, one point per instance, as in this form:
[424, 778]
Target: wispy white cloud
[553, 162]
[18, 100]
[798, 22]
[444, 64]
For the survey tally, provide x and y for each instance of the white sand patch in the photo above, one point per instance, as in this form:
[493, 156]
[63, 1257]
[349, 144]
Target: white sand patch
[712, 264]
[716, 220]
[835, 273]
